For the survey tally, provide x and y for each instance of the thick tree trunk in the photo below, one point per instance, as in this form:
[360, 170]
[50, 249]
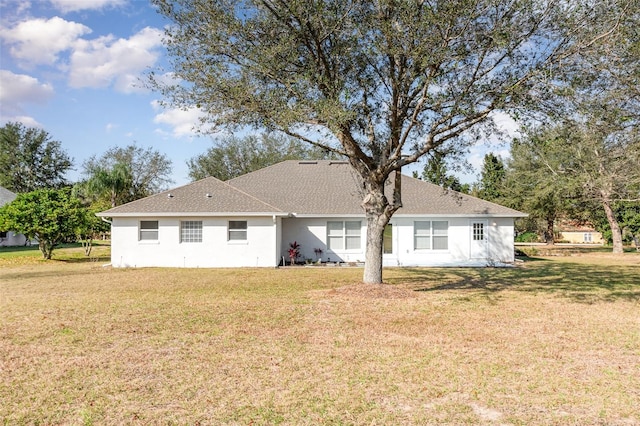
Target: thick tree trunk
[378, 211]
[373, 255]
[616, 232]
[548, 233]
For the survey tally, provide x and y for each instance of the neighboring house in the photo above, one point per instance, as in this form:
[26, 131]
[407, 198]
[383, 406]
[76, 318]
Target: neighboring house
[8, 237]
[577, 233]
[252, 219]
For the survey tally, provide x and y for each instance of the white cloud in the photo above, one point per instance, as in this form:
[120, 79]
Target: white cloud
[106, 60]
[40, 41]
[66, 6]
[20, 89]
[182, 122]
[25, 120]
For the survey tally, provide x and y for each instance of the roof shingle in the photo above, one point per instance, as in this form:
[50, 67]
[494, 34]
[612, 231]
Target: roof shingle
[305, 188]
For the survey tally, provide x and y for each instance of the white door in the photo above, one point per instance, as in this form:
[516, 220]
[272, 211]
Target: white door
[479, 239]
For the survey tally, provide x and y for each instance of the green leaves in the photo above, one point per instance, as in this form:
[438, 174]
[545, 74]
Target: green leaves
[29, 159]
[51, 216]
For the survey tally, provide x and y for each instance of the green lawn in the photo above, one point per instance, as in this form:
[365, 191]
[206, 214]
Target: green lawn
[553, 341]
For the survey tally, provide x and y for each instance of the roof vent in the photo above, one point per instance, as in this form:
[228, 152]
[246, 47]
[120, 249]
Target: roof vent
[307, 162]
[338, 162]
[169, 195]
[208, 195]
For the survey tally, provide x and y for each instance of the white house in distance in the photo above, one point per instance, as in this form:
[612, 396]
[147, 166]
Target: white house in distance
[249, 221]
[7, 236]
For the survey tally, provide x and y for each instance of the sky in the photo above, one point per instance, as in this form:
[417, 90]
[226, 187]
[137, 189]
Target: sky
[76, 69]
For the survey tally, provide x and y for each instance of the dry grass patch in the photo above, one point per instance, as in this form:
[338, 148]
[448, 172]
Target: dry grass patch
[553, 342]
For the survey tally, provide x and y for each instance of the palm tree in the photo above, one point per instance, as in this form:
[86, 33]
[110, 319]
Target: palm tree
[112, 183]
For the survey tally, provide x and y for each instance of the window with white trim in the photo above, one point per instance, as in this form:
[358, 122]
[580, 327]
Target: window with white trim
[478, 232]
[191, 231]
[344, 235]
[587, 237]
[237, 230]
[431, 235]
[148, 230]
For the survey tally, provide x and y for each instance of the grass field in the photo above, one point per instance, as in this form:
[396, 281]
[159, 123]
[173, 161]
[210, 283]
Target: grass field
[553, 341]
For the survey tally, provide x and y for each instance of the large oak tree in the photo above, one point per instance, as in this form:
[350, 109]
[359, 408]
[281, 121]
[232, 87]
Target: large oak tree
[381, 82]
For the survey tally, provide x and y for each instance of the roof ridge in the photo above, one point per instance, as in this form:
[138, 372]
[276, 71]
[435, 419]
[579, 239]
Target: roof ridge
[252, 196]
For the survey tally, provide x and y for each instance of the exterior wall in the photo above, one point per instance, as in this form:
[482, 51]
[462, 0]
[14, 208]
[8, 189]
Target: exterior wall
[13, 239]
[259, 250]
[581, 237]
[311, 233]
[268, 240]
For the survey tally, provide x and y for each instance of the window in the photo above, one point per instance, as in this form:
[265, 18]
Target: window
[148, 230]
[237, 230]
[3, 234]
[587, 238]
[431, 235]
[344, 235]
[387, 240]
[191, 231]
[478, 232]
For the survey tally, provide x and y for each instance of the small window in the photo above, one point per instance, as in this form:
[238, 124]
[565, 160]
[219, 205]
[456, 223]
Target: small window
[3, 234]
[148, 230]
[588, 237]
[440, 235]
[344, 235]
[422, 235]
[191, 231]
[237, 230]
[431, 235]
[478, 232]
[387, 240]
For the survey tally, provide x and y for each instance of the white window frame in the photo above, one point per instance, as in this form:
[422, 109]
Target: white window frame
[146, 233]
[347, 232]
[235, 234]
[190, 231]
[433, 235]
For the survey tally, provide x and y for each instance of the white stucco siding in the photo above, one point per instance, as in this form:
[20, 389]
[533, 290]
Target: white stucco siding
[501, 240]
[215, 250]
[311, 233]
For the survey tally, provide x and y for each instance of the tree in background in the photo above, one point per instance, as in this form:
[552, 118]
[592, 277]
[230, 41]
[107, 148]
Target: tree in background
[437, 172]
[380, 83]
[605, 163]
[114, 184]
[128, 173]
[52, 216]
[234, 156]
[492, 178]
[533, 182]
[30, 160]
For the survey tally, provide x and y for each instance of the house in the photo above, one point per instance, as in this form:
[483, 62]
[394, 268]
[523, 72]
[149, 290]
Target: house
[249, 221]
[8, 237]
[576, 232]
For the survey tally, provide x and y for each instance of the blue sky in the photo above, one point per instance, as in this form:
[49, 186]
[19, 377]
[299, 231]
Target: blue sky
[75, 68]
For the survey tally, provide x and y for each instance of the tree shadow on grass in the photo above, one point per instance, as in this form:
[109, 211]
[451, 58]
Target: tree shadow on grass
[582, 283]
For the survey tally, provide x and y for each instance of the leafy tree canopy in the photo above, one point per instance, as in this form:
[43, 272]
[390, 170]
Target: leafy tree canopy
[381, 83]
[126, 174]
[30, 160]
[52, 216]
[492, 177]
[235, 156]
[437, 172]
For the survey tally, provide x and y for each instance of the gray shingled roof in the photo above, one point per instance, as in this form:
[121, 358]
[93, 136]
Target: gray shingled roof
[6, 196]
[304, 188]
[332, 188]
[205, 197]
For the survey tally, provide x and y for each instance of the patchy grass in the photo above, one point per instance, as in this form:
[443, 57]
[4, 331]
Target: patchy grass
[554, 341]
